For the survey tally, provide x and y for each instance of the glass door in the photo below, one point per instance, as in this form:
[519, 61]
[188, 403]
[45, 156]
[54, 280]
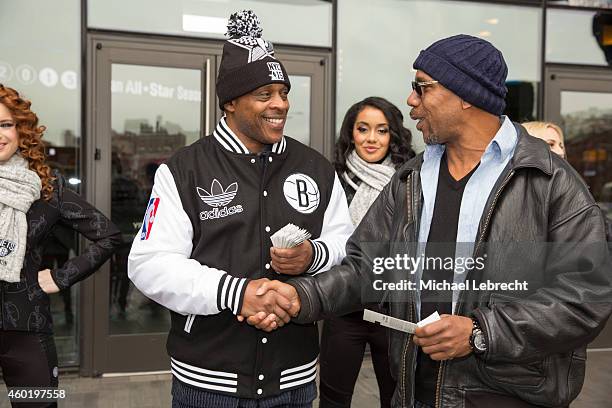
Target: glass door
[580, 101]
[148, 104]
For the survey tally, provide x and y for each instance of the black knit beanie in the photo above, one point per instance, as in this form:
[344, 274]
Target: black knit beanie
[470, 67]
[248, 60]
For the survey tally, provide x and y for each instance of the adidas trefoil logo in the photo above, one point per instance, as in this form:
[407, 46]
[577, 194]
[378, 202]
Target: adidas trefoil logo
[219, 197]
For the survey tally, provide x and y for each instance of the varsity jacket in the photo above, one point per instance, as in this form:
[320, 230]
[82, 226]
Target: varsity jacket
[206, 233]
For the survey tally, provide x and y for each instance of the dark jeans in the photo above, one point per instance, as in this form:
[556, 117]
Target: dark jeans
[28, 360]
[419, 404]
[342, 346]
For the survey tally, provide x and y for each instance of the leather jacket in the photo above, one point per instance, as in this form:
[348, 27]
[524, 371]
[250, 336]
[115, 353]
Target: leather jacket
[536, 339]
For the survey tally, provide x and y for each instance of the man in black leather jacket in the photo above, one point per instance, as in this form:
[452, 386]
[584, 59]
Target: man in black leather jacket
[536, 222]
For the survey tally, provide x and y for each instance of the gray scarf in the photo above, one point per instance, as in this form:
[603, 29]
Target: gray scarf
[373, 178]
[19, 188]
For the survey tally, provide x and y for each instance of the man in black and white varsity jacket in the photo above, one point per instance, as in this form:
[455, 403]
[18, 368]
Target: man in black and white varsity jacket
[205, 243]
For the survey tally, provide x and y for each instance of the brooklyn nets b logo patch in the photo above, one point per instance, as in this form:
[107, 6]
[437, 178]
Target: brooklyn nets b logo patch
[6, 247]
[302, 193]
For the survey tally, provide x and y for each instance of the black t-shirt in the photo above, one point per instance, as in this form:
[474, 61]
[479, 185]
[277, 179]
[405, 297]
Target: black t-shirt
[441, 244]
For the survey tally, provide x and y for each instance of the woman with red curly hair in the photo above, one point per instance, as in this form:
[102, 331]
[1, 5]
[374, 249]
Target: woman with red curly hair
[32, 202]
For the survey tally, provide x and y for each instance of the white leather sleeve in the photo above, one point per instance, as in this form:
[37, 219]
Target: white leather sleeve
[330, 247]
[160, 266]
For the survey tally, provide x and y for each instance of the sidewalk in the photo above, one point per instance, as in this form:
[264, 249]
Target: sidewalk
[153, 391]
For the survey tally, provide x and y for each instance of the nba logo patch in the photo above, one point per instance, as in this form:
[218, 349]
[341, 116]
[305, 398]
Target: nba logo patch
[302, 193]
[149, 218]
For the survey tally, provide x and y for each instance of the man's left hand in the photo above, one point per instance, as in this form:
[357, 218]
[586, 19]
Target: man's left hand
[445, 339]
[292, 261]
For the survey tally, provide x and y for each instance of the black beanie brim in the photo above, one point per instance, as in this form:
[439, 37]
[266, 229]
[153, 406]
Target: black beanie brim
[246, 78]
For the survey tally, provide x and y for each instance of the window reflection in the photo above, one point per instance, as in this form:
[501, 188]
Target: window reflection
[154, 112]
[62, 245]
[587, 123]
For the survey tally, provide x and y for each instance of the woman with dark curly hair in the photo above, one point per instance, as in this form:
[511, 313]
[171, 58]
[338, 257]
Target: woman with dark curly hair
[373, 143]
[32, 202]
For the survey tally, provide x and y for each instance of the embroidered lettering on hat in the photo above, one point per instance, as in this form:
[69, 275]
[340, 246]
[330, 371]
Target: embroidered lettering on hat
[276, 71]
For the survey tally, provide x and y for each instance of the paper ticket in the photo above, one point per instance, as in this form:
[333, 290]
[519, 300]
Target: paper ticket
[398, 324]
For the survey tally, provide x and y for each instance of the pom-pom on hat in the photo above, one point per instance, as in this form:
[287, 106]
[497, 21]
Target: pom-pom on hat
[248, 60]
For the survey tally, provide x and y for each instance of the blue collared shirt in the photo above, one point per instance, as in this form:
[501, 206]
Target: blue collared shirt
[497, 155]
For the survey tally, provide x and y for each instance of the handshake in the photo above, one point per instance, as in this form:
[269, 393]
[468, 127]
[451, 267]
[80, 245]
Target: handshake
[268, 305]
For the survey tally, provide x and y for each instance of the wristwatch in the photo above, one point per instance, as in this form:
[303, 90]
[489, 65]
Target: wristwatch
[478, 342]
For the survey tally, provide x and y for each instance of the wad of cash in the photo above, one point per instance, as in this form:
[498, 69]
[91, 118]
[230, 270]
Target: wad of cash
[289, 236]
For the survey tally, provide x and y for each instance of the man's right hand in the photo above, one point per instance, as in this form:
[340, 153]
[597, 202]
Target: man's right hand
[265, 321]
[269, 307]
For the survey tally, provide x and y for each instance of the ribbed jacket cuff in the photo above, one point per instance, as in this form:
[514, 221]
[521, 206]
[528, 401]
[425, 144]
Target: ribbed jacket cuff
[230, 294]
[320, 256]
